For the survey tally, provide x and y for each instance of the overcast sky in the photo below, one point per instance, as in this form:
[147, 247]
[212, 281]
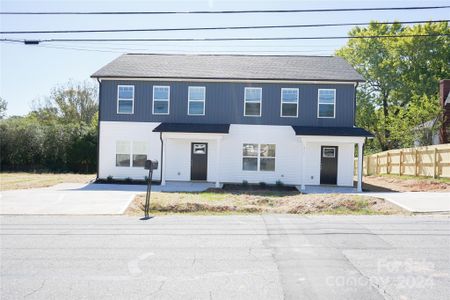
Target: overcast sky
[29, 72]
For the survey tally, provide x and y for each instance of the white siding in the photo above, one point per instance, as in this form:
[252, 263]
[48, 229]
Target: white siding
[287, 160]
[345, 158]
[178, 158]
[110, 132]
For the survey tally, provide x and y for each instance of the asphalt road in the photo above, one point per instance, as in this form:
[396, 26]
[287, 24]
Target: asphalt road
[225, 257]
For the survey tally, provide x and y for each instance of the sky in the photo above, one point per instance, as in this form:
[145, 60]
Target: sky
[29, 72]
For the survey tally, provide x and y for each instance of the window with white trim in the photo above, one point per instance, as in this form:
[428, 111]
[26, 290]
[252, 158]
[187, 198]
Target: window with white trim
[326, 106]
[289, 102]
[131, 154]
[196, 100]
[252, 102]
[258, 157]
[139, 154]
[123, 153]
[161, 100]
[125, 99]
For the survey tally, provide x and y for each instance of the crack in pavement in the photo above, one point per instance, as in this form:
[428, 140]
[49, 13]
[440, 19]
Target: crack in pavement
[36, 290]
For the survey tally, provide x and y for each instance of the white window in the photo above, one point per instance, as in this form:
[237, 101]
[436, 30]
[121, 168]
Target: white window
[252, 102]
[289, 102]
[125, 99]
[196, 100]
[326, 107]
[139, 154]
[123, 153]
[250, 157]
[161, 100]
[131, 154]
[258, 157]
[329, 152]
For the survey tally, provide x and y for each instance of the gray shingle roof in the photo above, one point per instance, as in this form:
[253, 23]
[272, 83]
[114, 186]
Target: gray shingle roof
[253, 67]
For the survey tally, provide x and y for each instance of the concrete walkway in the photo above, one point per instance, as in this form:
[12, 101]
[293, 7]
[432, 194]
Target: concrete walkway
[65, 199]
[83, 199]
[418, 202]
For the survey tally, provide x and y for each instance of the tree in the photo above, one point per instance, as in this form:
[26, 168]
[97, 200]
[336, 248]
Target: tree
[399, 72]
[69, 103]
[3, 107]
[60, 135]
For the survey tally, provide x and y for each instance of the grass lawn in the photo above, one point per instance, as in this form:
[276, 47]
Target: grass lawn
[21, 180]
[226, 202]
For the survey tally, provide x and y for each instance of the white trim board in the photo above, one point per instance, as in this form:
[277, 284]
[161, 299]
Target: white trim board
[225, 80]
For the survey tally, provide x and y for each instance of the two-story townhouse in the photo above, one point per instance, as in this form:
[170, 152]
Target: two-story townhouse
[230, 118]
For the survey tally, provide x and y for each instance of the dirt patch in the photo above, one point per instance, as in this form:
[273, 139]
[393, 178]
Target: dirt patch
[22, 180]
[404, 184]
[220, 202]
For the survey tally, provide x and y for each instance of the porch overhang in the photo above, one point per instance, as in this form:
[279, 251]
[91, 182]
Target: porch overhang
[193, 128]
[332, 131]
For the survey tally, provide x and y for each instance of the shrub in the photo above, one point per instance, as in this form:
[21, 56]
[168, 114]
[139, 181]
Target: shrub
[109, 179]
[262, 185]
[279, 184]
[128, 180]
[245, 183]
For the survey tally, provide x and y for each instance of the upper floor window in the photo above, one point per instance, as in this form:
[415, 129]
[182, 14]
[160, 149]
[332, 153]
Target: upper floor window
[289, 102]
[161, 100]
[252, 101]
[125, 99]
[326, 103]
[196, 100]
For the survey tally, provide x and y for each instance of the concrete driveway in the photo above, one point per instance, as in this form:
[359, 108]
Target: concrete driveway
[418, 202]
[225, 257]
[70, 198]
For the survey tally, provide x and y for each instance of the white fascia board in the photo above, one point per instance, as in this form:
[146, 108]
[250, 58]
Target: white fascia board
[330, 139]
[225, 80]
[193, 136]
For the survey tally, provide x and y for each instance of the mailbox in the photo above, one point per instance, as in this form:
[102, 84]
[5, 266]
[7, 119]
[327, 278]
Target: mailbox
[151, 164]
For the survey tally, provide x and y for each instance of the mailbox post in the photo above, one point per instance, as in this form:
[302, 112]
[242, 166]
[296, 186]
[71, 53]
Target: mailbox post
[150, 165]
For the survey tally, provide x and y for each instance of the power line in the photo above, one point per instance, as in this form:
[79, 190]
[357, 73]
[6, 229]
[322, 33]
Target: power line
[223, 11]
[215, 28]
[177, 51]
[34, 42]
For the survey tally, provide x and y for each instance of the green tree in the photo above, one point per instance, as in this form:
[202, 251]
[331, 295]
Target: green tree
[3, 107]
[59, 136]
[69, 103]
[399, 73]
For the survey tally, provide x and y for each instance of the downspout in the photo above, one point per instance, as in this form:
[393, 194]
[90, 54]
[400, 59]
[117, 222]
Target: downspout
[98, 127]
[354, 105]
[162, 153]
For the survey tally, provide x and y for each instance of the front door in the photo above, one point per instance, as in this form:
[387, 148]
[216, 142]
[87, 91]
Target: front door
[199, 161]
[328, 165]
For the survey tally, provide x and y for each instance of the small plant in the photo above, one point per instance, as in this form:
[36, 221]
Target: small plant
[109, 179]
[245, 183]
[128, 180]
[262, 185]
[146, 179]
[279, 184]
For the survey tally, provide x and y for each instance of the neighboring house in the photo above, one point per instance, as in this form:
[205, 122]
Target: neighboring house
[444, 92]
[428, 129]
[230, 118]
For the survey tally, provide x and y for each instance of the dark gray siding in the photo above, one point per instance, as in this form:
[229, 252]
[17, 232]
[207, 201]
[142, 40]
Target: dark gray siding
[225, 103]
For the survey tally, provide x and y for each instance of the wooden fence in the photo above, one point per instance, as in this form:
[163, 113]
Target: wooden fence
[430, 161]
